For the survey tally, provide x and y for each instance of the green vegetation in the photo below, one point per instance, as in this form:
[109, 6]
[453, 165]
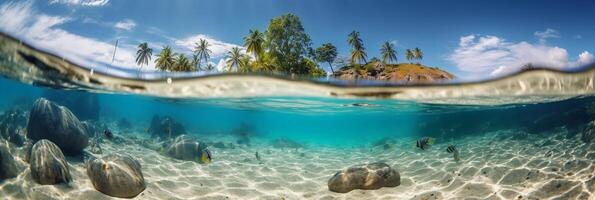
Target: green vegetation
[388, 53]
[143, 54]
[165, 59]
[201, 53]
[326, 53]
[358, 52]
[285, 48]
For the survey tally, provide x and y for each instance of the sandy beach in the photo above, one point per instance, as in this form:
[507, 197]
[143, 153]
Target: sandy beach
[492, 166]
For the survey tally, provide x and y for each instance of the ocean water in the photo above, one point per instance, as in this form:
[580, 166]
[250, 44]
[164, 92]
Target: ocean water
[527, 136]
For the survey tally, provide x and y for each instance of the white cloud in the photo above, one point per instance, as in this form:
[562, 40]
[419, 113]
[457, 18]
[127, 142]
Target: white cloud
[126, 24]
[584, 58]
[548, 33]
[219, 48]
[482, 55]
[40, 30]
[81, 2]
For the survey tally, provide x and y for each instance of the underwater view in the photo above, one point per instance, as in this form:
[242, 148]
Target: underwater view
[91, 108]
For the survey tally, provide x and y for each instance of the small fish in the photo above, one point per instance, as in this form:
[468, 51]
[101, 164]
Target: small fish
[257, 156]
[424, 143]
[453, 149]
[108, 134]
[206, 156]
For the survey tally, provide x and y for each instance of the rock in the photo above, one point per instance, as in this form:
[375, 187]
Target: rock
[165, 127]
[366, 176]
[12, 126]
[56, 123]
[48, 165]
[8, 166]
[185, 148]
[403, 72]
[84, 105]
[286, 143]
[588, 135]
[116, 176]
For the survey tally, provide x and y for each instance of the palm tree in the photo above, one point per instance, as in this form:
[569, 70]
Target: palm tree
[183, 64]
[195, 61]
[358, 52]
[234, 59]
[202, 51]
[143, 54]
[418, 54]
[165, 59]
[388, 53]
[253, 43]
[409, 55]
[245, 64]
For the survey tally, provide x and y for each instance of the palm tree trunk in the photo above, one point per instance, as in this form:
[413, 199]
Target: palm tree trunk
[330, 65]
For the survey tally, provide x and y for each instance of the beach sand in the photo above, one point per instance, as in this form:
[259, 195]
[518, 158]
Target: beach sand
[492, 166]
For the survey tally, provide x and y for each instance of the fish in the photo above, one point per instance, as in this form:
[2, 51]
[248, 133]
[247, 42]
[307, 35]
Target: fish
[257, 156]
[206, 156]
[108, 134]
[424, 143]
[453, 149]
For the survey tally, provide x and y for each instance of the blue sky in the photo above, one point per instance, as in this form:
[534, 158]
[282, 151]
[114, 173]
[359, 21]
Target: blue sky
[472, 39]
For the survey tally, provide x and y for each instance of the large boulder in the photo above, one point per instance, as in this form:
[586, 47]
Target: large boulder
[48, 165]
[186, 148]
[165, 127]
[366, 176]
[116, 176]
[9, 168]
[48, 120]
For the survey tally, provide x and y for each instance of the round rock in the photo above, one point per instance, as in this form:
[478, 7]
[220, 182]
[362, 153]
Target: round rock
[48, 120]
[366, 176]
[48, 165]
[116, 176]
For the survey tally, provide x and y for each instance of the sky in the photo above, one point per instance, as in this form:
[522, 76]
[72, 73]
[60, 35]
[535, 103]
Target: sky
[471, 39]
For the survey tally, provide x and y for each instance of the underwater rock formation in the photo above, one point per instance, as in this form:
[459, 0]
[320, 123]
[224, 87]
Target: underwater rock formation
[8, 166]
[588, 135]
[116, 176]
[48, 120]
[84, 105]
[48, 165]
[185, 148]
[286, 143]
[12, 125]
[165, 127]
[365, 176]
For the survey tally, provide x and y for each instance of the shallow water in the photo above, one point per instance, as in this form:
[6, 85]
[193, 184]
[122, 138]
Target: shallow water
[519, 137]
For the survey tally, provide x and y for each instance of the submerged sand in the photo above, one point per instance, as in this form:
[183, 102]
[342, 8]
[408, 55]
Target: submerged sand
[493, 166]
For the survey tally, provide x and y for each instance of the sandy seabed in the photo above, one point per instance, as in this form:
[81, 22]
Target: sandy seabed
[492, 166]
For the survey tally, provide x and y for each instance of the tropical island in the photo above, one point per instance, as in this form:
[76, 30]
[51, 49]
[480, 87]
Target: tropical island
[285, 48]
